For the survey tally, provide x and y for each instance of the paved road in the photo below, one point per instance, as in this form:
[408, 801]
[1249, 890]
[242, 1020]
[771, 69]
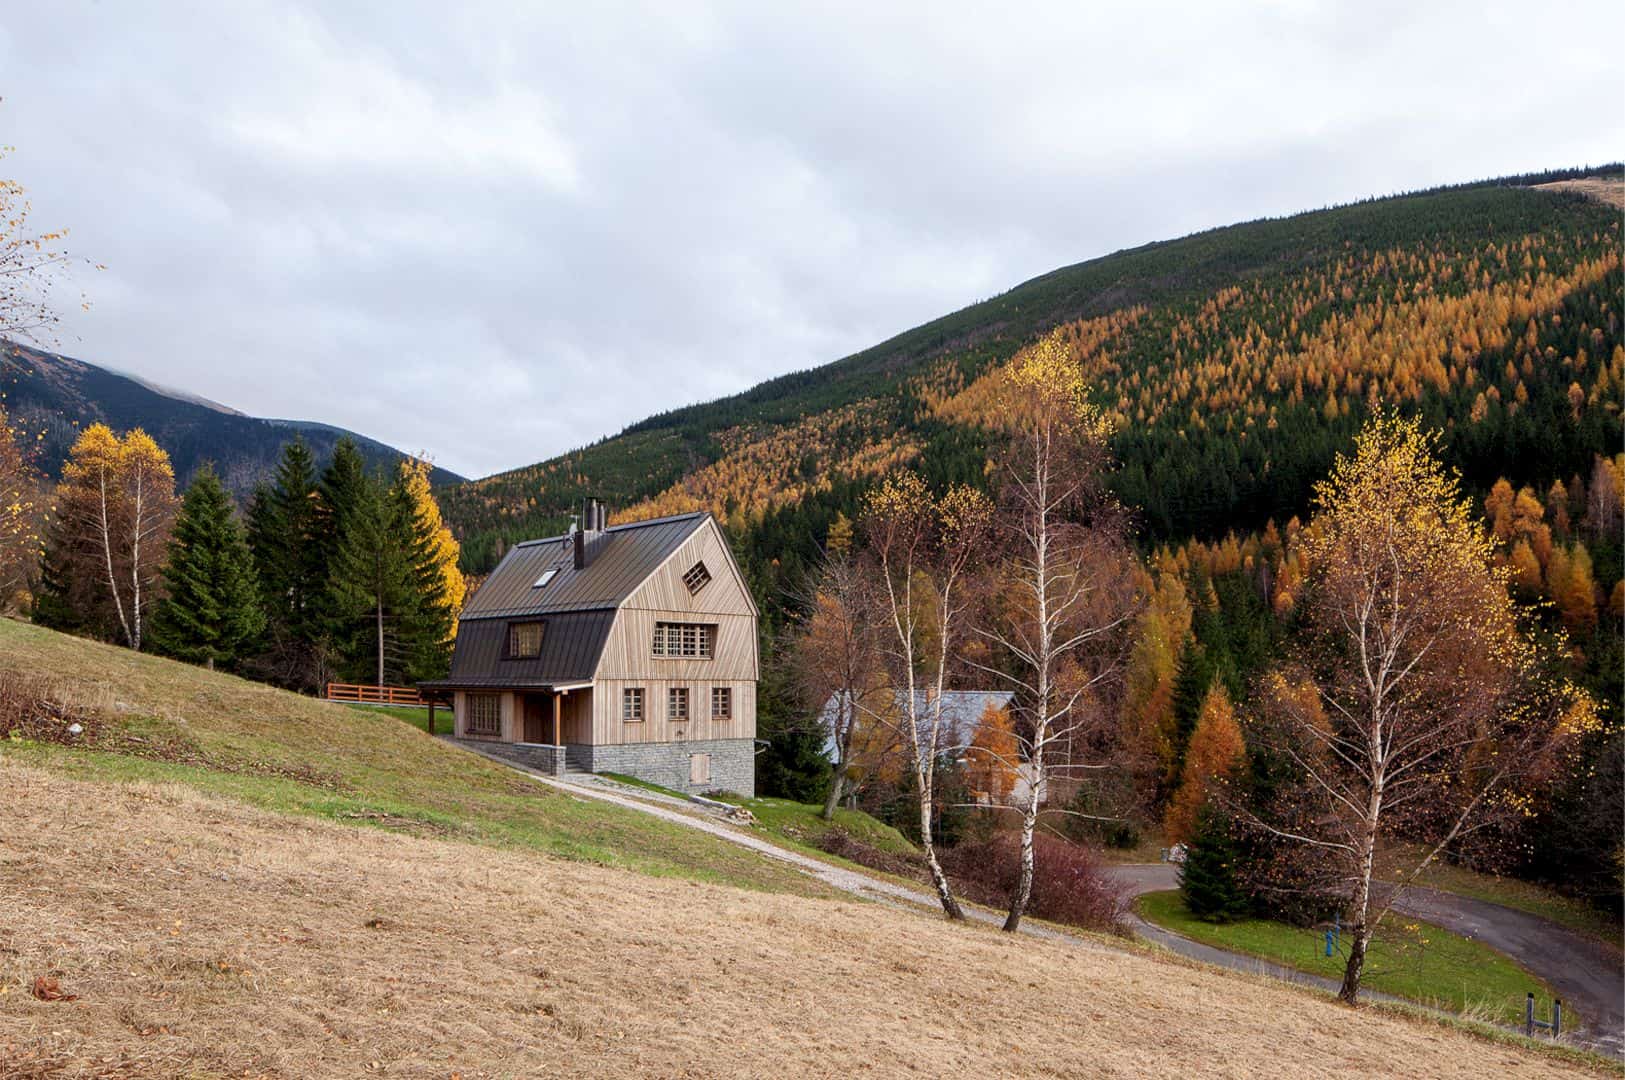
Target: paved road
[1585, 973]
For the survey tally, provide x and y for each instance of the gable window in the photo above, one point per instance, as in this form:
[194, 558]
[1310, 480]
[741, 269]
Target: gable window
[722, 702]
[524, 640]
[677, 703]
[484, 713]
[547, 575]
[697, 578]
[632, 705]
[691, 640]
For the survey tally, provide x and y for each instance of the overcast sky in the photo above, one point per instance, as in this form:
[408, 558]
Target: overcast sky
[494, 235]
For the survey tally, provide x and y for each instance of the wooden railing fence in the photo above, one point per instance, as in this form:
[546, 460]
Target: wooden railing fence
[374, 695]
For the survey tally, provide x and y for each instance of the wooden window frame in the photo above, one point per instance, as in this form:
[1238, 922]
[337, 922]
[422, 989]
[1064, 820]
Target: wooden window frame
[696, 578]
[723, 695]
[676, 695]
[508, 648]
[684, 641]
[471, 713]
[632, 705]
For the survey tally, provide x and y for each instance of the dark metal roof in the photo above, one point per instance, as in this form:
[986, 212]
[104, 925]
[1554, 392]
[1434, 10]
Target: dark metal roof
[619, 559]
[571, 642]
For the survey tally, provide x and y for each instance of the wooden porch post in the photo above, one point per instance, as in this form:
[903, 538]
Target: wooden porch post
[431, 716]
[558, 700]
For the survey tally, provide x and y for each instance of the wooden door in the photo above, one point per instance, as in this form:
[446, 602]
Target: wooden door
[537, 719]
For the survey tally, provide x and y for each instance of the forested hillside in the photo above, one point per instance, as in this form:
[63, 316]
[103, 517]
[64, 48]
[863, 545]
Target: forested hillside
[1237, 361]
[53, 398]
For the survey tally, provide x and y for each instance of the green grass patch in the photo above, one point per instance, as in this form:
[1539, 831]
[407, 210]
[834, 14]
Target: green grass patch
[1409, 959]
[416, 715]
[362, 766]
[802, 824]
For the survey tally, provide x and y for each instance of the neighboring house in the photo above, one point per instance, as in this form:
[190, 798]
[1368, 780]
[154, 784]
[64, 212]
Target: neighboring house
[628, 649]
[961, 715]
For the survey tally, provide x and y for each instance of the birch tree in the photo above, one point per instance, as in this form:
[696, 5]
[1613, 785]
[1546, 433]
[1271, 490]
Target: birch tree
[921, 555]
[115, 506]
[1066, 586]
[1416, 711]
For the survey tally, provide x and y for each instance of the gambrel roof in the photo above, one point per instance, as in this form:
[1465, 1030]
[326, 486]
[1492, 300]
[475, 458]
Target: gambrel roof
[619, 559]
[538, 581]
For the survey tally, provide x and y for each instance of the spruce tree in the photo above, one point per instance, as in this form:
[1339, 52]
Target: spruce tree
[1207, 880]
[212, 611]
[374, 599]
[292, 566]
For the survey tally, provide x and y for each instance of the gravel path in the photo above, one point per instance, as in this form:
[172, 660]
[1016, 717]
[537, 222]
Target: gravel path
[1537, 940]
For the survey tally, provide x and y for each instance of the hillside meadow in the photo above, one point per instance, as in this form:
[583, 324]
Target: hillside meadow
[186, 934]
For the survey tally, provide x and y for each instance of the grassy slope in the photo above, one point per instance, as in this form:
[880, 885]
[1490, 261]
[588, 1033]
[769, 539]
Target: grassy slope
[1409, 959]
[285, 752]
[206, 938]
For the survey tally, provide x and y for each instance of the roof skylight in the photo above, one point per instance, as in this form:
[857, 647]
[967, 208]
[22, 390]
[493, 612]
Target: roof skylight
[547, 575]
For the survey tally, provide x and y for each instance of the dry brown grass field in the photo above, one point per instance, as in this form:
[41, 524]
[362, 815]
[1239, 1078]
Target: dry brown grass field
[199, 936]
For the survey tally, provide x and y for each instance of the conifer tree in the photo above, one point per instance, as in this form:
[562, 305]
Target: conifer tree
[434, 555]
[1207, 880]
[373, 590]
[1216, 748]
[212, 610]
[292, 566]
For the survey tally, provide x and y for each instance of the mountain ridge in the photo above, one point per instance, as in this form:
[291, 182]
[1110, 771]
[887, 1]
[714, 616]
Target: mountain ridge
[55, 396]
[889, 388]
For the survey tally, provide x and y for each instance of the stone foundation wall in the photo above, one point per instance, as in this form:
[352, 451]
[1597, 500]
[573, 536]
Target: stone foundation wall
[537, 757]
[669, 764]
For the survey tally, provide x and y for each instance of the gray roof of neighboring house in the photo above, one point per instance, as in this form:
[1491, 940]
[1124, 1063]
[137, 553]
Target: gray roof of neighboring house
[961, 713]
[619, 559]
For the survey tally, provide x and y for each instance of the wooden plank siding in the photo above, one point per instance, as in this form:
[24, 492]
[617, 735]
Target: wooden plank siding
[628, 658]
[608, 728]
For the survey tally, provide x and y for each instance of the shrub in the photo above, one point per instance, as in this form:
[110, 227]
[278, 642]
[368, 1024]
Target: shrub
[1070, 884]
[842, 844]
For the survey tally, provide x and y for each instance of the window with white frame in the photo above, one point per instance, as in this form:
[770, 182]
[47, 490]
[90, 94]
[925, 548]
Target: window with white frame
[484, 712]
[677, 704]
[684, 640]
[722, 702]
[632, 705]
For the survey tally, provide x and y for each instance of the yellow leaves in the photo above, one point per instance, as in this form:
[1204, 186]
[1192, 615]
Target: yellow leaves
[415, 476]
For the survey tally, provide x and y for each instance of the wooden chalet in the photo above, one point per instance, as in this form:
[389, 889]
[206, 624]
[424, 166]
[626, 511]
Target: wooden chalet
[627, 648]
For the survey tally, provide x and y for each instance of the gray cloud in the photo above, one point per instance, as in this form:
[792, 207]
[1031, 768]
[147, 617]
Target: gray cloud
[496, 235]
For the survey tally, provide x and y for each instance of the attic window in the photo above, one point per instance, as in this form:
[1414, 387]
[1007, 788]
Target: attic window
[697, 578]
[524, 640]
[547, 575]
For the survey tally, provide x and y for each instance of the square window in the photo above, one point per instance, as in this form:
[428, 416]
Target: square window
[524, 640]
[721, 702]
[677, 703]
[632, 705]
[697, 578]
